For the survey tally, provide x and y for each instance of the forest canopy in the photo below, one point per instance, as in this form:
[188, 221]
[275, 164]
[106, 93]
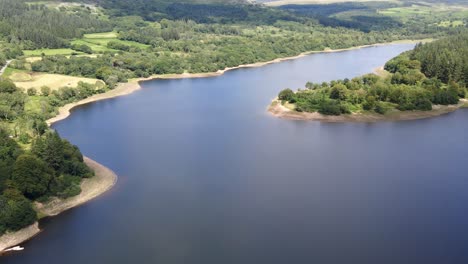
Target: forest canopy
[37, 26]
[53, 167]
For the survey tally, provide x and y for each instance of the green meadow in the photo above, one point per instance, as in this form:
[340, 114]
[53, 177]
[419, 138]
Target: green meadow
[97, 42]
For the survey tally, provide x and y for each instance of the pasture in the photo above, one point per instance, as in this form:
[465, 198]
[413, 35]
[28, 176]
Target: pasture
[25, 80]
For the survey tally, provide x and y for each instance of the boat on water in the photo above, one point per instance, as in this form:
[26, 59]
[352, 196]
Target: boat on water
[17, 248]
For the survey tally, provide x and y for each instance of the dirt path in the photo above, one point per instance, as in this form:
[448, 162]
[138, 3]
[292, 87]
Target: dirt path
[2, 70]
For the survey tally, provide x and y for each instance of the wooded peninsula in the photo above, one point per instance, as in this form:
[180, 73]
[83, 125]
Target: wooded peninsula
[428, 80]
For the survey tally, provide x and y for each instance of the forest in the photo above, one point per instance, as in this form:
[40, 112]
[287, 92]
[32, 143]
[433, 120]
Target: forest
[391, 16]
[166, 37]
[431, 74]
[52, 167]
[37, 26]
[35, 164]
[175, 48]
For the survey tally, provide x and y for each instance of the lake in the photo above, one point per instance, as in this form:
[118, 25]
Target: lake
[208, 176]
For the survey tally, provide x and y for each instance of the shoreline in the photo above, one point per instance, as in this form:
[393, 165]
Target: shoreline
[12, 239]
[121, 89]
[278, 110]
[381, 72]
[134, 84]
[103, 180]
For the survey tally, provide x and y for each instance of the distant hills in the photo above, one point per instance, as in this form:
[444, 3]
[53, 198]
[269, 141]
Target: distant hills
[305, 2]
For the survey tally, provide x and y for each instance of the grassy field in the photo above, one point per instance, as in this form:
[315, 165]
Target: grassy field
[9, 71]
[104, 35]
[455, 23]
[309, 2]
[97, 48]
[49, 52]
[35, 104]
[25, 80]
[406, 11]
[97, 42]
[415, 9]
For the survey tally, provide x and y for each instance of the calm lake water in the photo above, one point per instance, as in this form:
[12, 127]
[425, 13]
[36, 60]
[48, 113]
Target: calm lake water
[207, 176]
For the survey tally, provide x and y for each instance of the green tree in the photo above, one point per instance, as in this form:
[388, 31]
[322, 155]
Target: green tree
[31, 176]
[31, 91]
[45, 91]
[7, 86]
[286, 95]
[39, 126]
[369, 104]
[50, 149]
[338, 92]
[331, 107]
[16, 211]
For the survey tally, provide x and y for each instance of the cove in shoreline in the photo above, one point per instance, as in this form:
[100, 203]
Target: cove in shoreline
[280, 111]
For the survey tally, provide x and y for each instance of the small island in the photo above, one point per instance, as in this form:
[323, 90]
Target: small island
[428, 81]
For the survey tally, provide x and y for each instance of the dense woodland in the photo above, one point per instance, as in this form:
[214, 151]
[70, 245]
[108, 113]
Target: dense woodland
[33, 24]
[202, 36]
[362, 16]
[185, 46]
[36, 26]
[52, 167]
[197, 36]
[432, 74]
[49, 166]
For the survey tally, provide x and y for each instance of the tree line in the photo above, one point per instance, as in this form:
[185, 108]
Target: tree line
[187, 46]
[446, 59]
[32, 25]
[426, 76]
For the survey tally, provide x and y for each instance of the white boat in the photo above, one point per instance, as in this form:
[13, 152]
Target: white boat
[17, 248]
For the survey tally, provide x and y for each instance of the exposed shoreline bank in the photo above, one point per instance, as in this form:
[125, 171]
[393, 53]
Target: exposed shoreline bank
[121, 89]
[9, 240]
[280, 111]
[103, 180]
[134, 84]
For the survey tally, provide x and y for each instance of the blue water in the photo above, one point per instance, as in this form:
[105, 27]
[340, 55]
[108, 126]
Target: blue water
[207, 176]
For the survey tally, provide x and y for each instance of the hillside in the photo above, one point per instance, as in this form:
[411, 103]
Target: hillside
[309, 2]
